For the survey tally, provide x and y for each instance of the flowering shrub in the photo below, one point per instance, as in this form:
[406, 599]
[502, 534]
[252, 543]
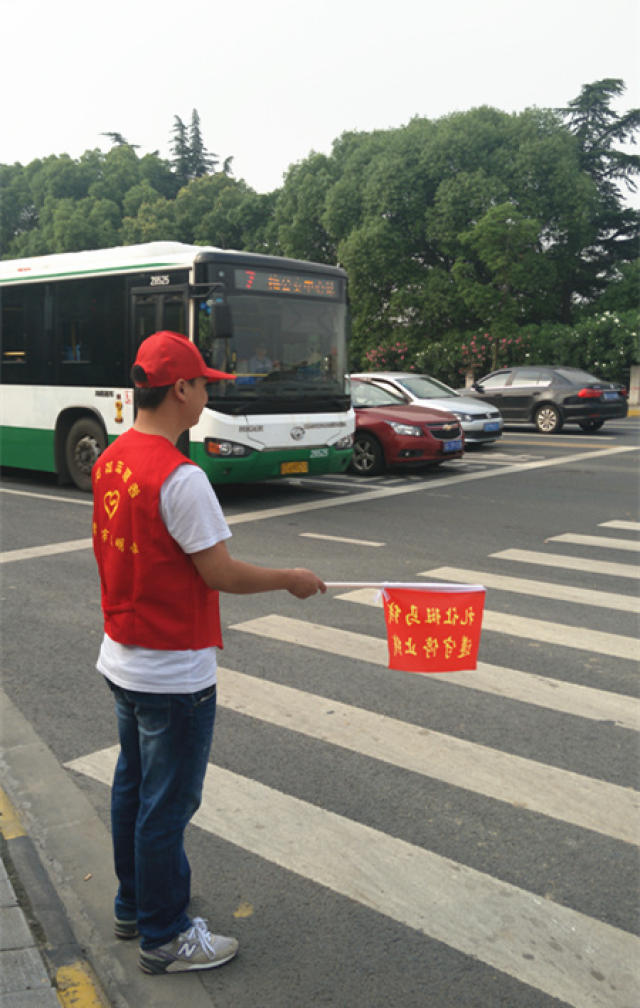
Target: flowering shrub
[389, 356]
[487, 353]
[605, 343]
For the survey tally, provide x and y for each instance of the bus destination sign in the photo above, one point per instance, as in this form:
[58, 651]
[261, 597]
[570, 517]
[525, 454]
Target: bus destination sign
[270, 282]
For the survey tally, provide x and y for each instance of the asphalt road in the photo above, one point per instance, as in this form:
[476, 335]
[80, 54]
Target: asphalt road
[376, 838]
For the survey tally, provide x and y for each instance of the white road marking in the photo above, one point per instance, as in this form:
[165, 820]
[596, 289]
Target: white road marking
[569, 562]
[569, 956]
[543, 589]
[551, 694]
[406, 488]
[48, 497]
[560, 794]
[342, 539]
[325, 487]
[499, 457]
[605, 541]
[542, 631]
[432, 485]
[627, 526]
[51, 549]
[551, 440]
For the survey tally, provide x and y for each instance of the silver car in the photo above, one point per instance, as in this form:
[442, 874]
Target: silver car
[481, 422]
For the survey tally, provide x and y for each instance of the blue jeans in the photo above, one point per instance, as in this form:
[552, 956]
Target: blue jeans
[165, 740]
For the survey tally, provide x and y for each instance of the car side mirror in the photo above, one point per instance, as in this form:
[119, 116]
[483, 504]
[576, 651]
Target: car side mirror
[477, 386]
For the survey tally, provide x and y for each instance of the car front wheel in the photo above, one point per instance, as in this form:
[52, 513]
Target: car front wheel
[547, 419]
[590, 425]
[368, 457]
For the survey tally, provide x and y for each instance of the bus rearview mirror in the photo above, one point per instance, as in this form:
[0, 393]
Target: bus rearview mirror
[222, 322]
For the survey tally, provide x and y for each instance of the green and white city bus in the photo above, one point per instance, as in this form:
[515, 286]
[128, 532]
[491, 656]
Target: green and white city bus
[70, 326]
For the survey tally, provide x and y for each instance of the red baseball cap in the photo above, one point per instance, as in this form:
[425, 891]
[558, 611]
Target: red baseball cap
[167, 356]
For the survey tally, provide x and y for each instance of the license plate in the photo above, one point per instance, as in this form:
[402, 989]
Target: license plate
[493, 426]
[451, 446]
[610, 395]
[288, 468]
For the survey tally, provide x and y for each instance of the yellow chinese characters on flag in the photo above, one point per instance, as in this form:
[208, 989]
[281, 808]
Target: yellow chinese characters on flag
[431, 630]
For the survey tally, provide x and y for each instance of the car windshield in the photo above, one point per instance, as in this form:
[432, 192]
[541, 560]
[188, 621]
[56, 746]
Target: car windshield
[424, 387]
[365, 394]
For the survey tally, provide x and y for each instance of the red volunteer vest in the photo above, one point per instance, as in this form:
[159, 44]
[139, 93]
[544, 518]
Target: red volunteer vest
[152, 595]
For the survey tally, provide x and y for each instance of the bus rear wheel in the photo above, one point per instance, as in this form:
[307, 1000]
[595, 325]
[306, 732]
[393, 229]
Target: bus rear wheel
[85, 442]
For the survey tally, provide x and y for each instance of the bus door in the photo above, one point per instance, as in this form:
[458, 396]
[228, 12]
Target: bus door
[168, 308]
[165, 308]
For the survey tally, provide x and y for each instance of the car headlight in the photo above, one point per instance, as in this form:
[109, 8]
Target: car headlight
[407, 429]
[462, 416]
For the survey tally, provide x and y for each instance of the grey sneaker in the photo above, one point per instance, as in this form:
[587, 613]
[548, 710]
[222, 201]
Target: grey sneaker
[125, 929]
[194, 949]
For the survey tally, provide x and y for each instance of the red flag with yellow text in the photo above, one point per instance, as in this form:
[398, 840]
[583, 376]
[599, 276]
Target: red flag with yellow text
[433, 630]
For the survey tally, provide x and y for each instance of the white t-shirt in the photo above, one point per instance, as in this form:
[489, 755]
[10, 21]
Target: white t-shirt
[193, 517]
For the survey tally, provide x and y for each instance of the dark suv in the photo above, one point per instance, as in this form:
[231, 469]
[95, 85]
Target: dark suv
[551, 396]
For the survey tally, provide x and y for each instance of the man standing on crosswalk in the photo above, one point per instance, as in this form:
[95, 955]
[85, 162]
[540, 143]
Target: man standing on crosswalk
[159, 539]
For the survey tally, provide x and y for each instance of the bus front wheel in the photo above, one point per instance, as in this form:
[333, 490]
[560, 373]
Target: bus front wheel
[85, 441]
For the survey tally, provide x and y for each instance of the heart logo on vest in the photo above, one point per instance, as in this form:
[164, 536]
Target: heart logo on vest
[111, 501]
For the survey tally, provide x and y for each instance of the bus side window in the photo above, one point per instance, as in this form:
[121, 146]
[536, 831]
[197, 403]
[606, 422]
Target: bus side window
[22, 328]
[14, 337]
[91, 330]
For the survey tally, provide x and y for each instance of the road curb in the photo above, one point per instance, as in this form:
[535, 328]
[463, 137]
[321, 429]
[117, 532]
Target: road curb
[73, 849]
[72, 977]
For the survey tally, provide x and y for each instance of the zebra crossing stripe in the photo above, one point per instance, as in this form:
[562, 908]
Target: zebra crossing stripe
[604, 541]
[580, 638]
[626, 526]
[552, 694]
[541, 631]
[569, 562]
[51, 549]
[567, 955]
[560, 794]
[544, 589]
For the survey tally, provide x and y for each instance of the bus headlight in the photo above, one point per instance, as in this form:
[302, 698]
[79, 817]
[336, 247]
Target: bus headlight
[345, 442]
[224, 449]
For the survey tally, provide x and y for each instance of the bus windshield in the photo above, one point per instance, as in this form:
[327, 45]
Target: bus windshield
[287, 354]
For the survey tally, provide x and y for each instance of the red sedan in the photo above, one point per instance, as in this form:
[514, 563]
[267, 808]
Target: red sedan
[390, 433]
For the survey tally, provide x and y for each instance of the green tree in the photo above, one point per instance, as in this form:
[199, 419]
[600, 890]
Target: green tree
[118, 140]
[598, 131]
[18, 213]
[237, 219]
[201, 162]
[299, 208]
[597, 127]
[181, 159]
[502, 271]
[154, 221]
[120, 171]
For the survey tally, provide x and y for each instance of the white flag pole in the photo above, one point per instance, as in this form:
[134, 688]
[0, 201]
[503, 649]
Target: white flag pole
[429, 586]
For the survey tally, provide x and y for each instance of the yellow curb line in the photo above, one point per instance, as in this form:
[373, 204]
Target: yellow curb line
[77, 987]
[10, 822]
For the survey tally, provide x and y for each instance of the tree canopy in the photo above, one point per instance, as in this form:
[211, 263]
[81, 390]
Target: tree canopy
[478, 222]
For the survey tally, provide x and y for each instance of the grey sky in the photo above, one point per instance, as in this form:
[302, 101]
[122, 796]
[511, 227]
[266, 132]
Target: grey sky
[274, 80]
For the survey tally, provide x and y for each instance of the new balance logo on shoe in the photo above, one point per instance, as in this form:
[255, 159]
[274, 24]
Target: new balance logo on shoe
[187, 950]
